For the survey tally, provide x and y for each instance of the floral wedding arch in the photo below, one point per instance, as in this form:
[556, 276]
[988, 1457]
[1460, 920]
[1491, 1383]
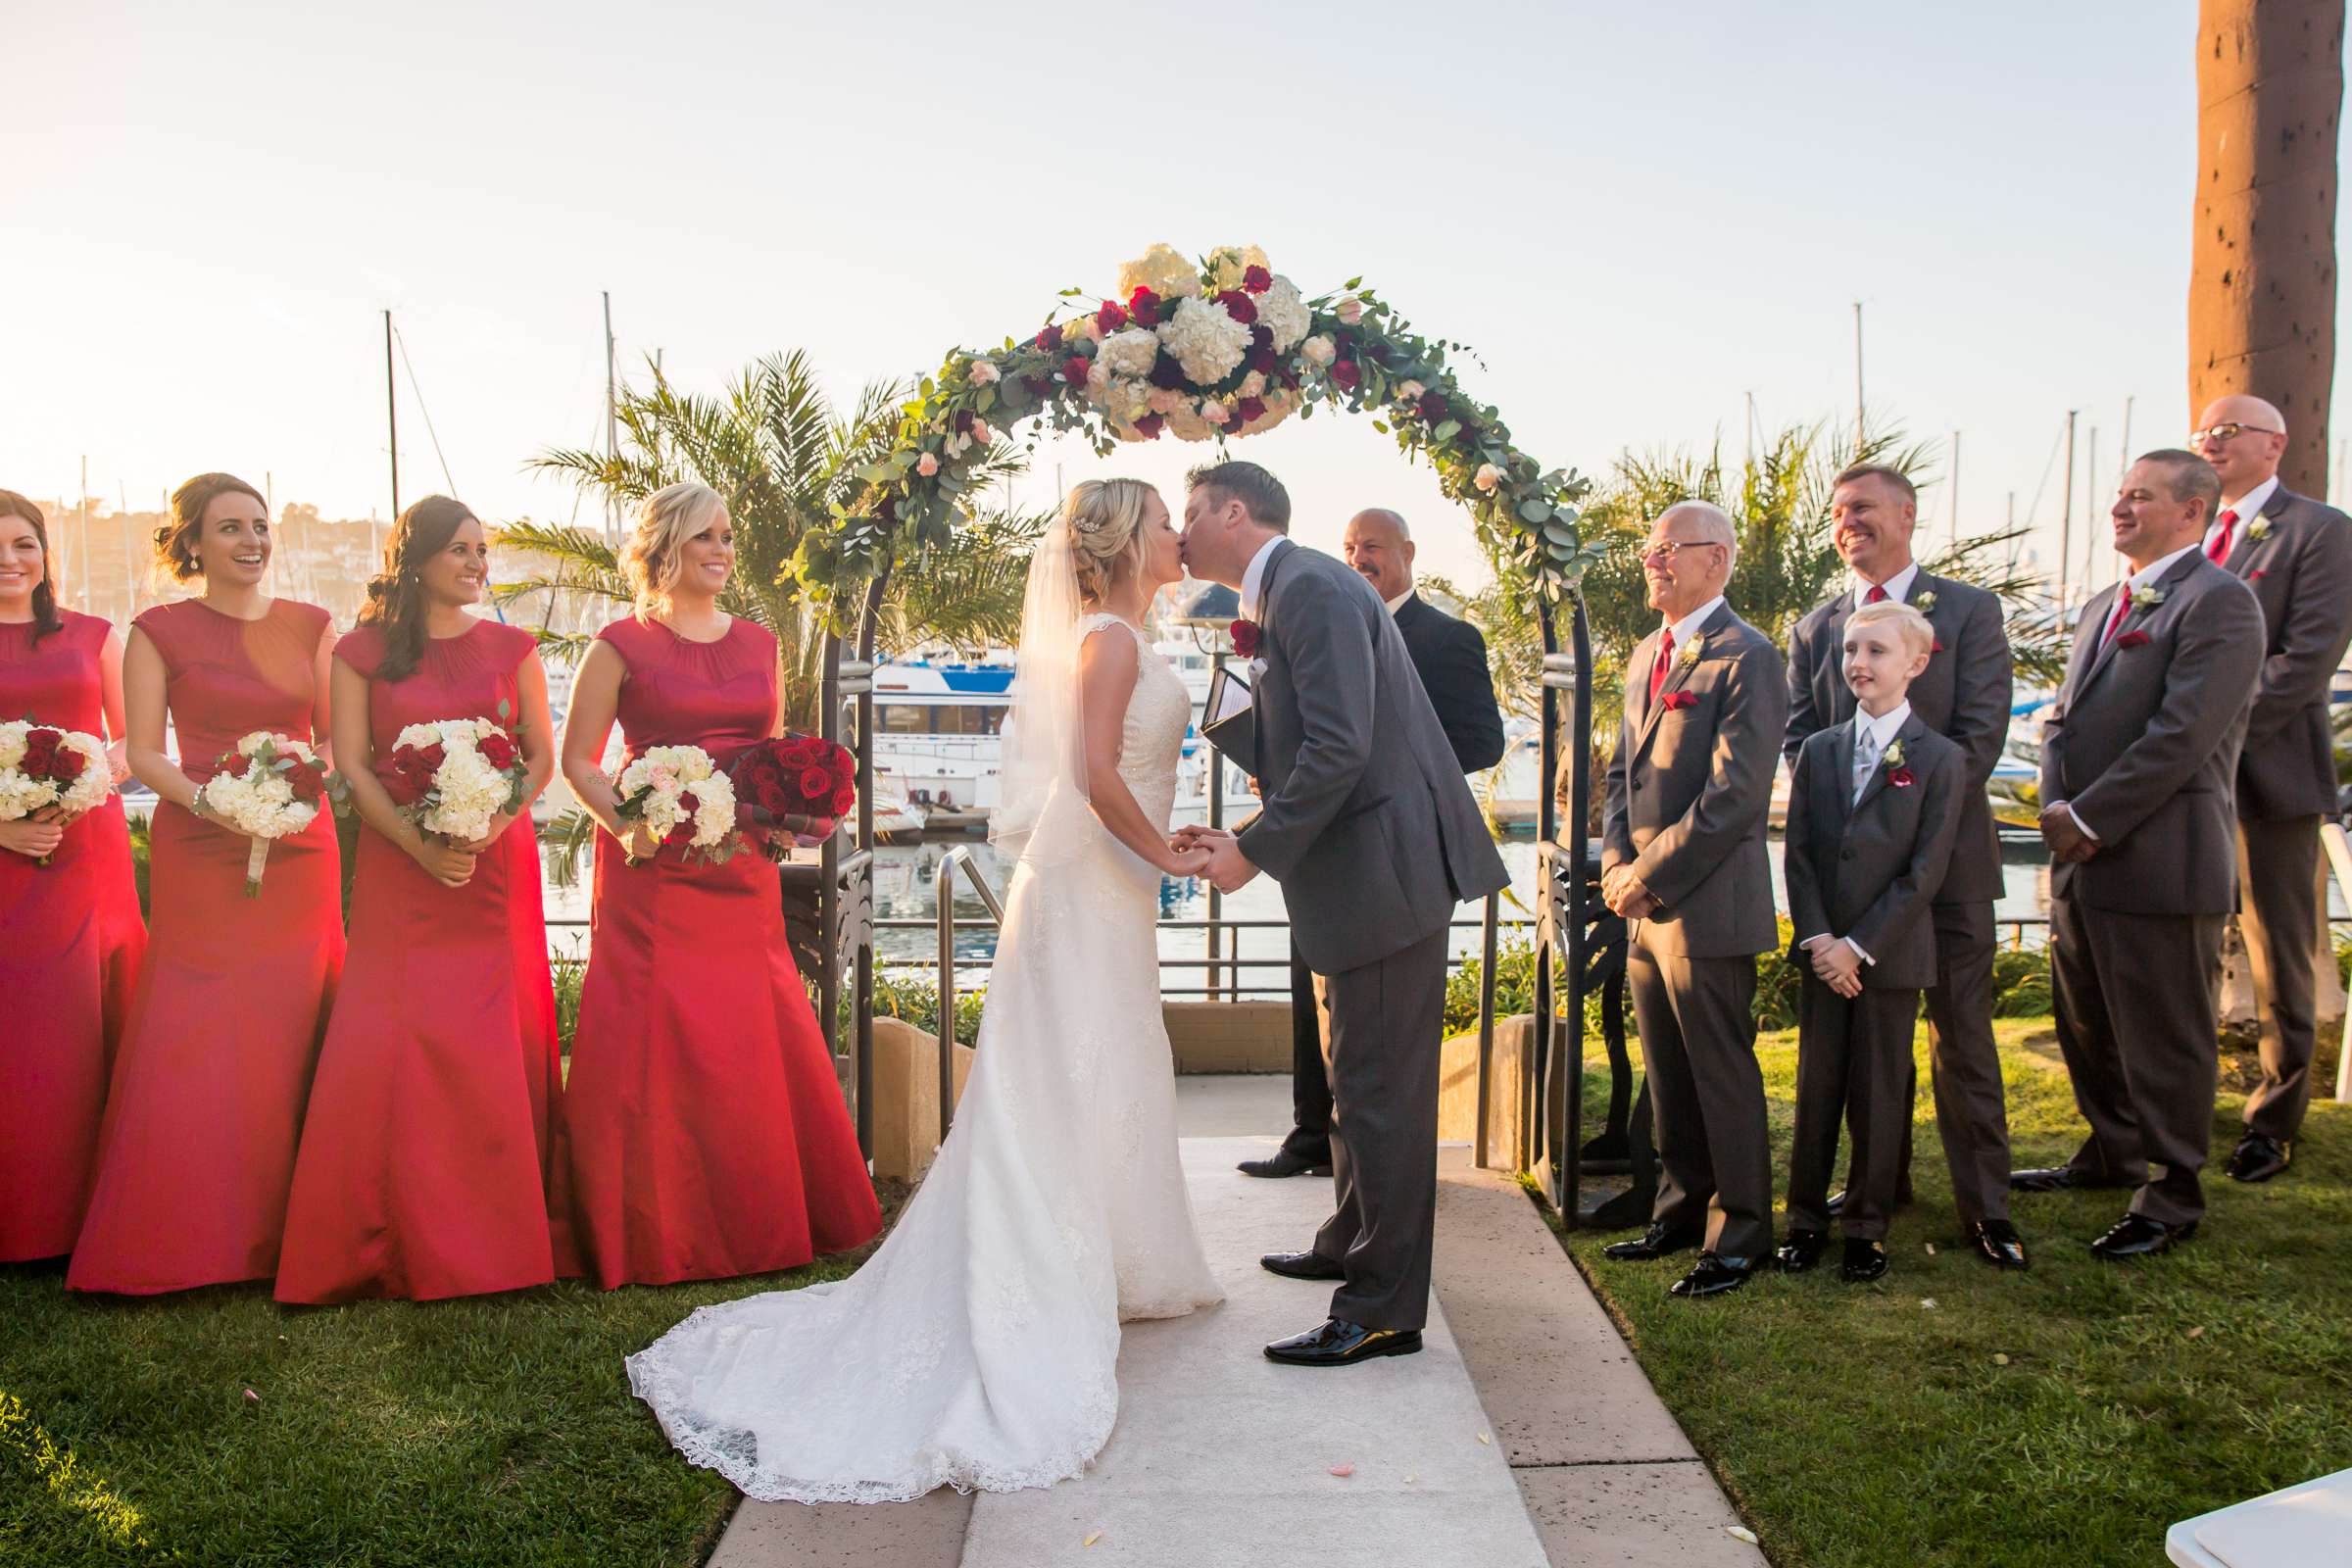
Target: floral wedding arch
[1209, 352]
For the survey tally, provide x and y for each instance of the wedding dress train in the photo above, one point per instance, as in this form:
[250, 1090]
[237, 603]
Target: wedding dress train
[978, 1348]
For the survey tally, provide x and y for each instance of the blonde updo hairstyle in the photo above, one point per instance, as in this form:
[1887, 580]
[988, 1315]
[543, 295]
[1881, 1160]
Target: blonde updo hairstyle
[665, 520]
[1106, 521]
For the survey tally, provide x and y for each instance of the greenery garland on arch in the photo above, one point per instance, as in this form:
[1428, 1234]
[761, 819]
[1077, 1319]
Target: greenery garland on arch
[1203, 350]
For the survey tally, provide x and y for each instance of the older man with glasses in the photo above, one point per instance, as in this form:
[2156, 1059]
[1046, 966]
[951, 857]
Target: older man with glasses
[2296, 555]
[1683, 862]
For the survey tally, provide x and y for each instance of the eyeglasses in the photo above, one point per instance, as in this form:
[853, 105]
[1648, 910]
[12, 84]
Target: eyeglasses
[1665, 549]
[2226, 432]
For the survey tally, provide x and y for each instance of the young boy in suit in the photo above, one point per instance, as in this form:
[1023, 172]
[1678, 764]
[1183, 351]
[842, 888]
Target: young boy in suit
[1872, 809]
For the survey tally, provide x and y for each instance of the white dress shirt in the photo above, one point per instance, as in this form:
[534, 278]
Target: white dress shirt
[1872, 737]
[2248, 507]
[1898, 587]
[1253, 579]
[2132, 584]
[1398, 603]
[1685, 631]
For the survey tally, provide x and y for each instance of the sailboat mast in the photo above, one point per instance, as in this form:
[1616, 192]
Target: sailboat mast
[611, 432]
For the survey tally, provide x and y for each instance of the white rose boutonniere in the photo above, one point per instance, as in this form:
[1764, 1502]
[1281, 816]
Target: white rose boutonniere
[2144, 598]
[1924, 602]
[1689, 655]
[2259, 529]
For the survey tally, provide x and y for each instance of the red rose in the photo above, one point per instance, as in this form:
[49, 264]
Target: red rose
[1257, 280]
[1346, 376]
[1150, 426]
[1111, 317]
[1245, 637]
[1074, 368]
[844, 799]
[1250, 409]
[1433, 408]
[1038, 385]
[66, 764]
[497, 749]
[1261, 360]
[432, 757]
[1674, 702]
[399, 777]
[1144, 306]
[963, 420]
[2132, 638]
[1167, 373]
[307, 783]
[771, 795]
[815, 783]
[1899, 777]
[1048, 340]
[1238, 305]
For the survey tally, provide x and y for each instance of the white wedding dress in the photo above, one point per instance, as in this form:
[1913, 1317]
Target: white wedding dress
[978, 1348]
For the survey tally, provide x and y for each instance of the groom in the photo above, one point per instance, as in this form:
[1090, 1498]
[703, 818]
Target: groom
[1374, 840]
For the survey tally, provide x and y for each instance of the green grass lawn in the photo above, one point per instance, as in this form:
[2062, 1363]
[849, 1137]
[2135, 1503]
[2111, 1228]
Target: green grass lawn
[498, 1430]
[1950, 1414]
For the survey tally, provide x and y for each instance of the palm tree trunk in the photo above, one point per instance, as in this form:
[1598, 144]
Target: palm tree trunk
[2262, 283]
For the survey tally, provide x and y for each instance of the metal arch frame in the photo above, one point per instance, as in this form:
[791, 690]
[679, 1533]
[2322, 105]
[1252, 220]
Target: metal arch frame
[846, 879]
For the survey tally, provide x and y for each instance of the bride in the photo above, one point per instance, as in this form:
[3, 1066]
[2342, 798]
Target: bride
[978, 1349]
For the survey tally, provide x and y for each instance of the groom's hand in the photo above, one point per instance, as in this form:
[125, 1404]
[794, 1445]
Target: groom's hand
[1228, 868]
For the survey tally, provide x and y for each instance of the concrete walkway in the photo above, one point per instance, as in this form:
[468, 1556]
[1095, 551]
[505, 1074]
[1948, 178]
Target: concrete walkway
[1223, 1457]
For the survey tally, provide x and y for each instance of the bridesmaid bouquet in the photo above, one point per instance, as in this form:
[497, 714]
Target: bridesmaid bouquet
[269, 787]
[44, 767]
[454, 776]
[797, 776]
[677, 792]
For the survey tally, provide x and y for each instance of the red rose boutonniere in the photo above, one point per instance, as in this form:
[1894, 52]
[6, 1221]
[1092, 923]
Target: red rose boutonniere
[1675, 701]
[2135, 638]
[1244, 635]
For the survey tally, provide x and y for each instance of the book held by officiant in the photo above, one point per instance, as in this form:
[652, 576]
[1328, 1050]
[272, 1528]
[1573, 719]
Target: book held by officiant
[1226, 719]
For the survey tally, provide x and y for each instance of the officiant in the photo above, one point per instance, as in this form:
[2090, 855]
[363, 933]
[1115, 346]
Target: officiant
[1451, 658]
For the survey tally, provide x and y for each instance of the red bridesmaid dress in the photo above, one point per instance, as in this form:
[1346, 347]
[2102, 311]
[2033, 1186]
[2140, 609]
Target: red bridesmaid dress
[423, 1163]
[71, 938]
[706, 1132]
[207, 1099]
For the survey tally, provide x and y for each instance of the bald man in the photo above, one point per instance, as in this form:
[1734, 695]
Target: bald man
[2296, 555]
[1451, 658]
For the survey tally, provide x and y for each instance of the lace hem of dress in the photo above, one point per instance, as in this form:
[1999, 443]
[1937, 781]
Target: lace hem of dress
[733, 1451]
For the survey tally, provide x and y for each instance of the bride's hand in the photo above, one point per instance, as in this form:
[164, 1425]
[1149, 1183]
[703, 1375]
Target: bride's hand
[1185, 862]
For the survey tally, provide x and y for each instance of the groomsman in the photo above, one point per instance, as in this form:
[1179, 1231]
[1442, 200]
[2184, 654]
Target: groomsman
[2137, 758]
[1683, 862]
[1451, 658]
[1963, 696]
[2296, 555]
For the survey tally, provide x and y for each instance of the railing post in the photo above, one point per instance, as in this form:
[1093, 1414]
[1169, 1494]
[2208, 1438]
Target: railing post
[1217, 903]
[2338, 849]
[1485, 1025]
[943, 888]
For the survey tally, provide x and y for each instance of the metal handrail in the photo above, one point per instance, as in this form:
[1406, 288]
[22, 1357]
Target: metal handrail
[2338, 849]
[944, 892]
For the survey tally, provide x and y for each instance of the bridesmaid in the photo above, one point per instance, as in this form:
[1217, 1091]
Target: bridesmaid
[71, 934]
[423, 1165]
[706, 1129]
[201, 1120]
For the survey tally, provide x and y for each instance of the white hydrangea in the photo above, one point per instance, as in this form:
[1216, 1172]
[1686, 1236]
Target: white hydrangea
[1231, 264]
[1282, 311]
[21, 795]
[468, 792]
[258, 802]
[1186, 425]
[654, 787]
[1207, 342]
[1130, 353]
[1161, 270]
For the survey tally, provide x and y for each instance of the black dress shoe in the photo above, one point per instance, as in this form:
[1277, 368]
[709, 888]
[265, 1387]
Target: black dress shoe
[1712, 1276]
[1301, 1266]
[1342, 1343]
[1865, 1261]
[2258, 1158]
[1801, 1251]
[2059, 1179]
[1282, 1163]
[1655, 1242]
[1997, 1243]
[2137, 1236]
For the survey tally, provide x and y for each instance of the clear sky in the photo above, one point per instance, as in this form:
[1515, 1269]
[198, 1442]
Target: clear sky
[1638, 214]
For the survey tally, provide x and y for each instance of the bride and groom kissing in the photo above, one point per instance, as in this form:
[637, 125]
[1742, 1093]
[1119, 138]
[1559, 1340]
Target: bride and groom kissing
[978, 1348]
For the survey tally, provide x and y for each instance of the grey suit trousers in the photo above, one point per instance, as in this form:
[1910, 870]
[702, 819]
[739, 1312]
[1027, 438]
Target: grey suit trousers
[2134, 998]
[1388, 1024]
[1698, 1053]
[1853, 1062]
[1964, 1065]
[2278, 914]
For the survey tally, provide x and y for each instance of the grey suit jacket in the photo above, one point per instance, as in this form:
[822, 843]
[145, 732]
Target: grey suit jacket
[1869, 868]
[1963, 695]
[2143, 743]
[1367, 823]
[2301, 573]
[1690, 785]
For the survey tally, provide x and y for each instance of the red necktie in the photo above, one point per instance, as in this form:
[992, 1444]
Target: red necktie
[2218, 550]
[1658, 669]
[2123, 607]
[1876, 596]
